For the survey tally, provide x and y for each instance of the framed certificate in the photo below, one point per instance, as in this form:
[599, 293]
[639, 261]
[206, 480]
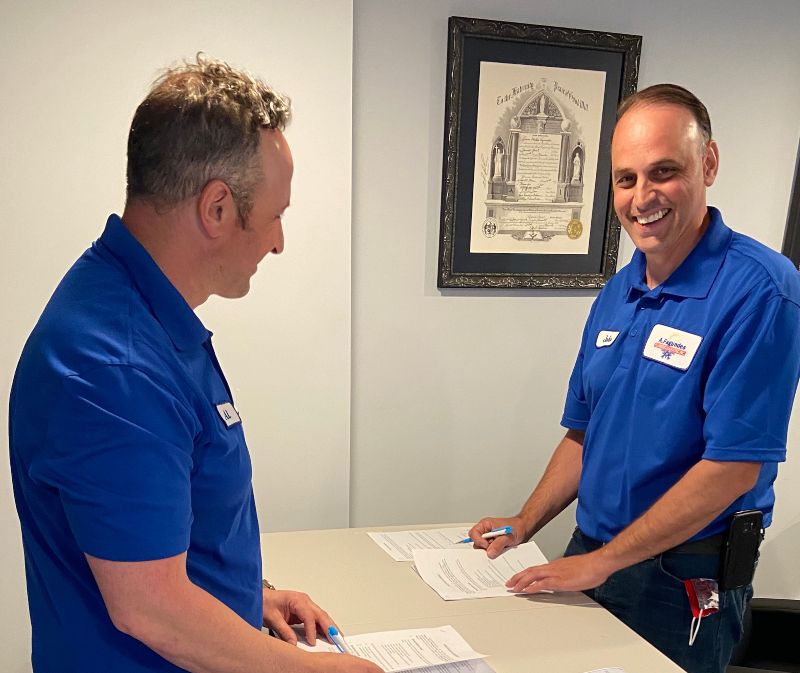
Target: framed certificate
[526, 189]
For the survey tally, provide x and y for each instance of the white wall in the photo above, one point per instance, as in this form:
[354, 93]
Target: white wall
[457, 394]
[72, 75]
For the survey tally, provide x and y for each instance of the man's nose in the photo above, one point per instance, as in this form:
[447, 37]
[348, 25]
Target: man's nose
[278, 249]
[644, 196]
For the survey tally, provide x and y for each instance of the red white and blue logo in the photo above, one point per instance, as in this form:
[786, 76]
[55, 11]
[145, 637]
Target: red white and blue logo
[672, 346]
[669, 348]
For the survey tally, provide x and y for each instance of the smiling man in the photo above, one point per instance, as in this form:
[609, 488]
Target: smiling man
[678, 406]
[131, 473]
[663, 160]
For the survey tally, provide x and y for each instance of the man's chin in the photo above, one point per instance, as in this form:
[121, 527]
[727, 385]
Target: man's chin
[234, 293]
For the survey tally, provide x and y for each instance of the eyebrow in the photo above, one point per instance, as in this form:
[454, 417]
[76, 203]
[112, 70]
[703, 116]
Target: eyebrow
[656, 164]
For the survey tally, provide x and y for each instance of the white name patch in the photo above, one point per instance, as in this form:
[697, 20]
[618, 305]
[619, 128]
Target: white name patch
[228, 414]
[605, 338]
[671, 346]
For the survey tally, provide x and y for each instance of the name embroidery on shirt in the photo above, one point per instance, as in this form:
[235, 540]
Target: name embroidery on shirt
[228, 414]
[605, 338]
[671, 346]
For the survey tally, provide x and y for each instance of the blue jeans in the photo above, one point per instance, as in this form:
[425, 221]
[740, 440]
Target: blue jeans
[651, 599]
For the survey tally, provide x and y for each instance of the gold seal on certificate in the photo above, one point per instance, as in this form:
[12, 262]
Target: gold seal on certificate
[574, 229]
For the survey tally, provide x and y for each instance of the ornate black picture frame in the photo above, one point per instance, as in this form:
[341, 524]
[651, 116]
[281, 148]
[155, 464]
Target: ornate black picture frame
[791, 237]
[526, 189]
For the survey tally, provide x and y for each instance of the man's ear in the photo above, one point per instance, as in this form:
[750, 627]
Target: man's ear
[216, 208]
[710, 163]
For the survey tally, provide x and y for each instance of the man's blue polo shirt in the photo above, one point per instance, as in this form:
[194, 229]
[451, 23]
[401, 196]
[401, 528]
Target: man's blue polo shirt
[125, 446]
[704, 366]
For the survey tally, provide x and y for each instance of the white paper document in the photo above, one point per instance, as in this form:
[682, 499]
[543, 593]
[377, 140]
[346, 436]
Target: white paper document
[401, 544]
[410, 649]
[456, 574]
[471, 666]
[607, 670]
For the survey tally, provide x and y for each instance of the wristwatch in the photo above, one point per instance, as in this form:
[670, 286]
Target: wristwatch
[267, 585]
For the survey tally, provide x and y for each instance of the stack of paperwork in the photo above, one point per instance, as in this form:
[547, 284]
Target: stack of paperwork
[439, 649]
[457, 571]
[458, 574]
[400, 545]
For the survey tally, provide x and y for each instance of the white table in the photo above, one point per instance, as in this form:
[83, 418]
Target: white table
[364, 590]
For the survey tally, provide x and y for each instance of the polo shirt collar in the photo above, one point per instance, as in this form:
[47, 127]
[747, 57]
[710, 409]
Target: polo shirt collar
[696, 274]
[167, 304]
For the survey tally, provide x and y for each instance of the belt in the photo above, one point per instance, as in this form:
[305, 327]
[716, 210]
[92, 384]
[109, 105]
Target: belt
[707, 545]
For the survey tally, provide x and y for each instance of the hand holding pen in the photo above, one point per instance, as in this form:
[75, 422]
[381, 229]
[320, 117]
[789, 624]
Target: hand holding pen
[338, 640]
[496, 534]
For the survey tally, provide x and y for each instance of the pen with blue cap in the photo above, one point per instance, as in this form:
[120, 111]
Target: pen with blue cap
[338, 639]
[495, 532]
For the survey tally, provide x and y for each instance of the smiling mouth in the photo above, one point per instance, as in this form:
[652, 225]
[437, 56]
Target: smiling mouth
[655, 217]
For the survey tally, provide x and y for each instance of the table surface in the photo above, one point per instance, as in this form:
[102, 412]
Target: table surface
[364, 590]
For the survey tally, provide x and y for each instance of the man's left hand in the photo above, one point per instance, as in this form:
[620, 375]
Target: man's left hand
[284, 608]
[572, 573]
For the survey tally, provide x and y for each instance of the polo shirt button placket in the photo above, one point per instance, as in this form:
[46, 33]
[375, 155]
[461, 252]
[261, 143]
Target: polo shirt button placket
[635, 330]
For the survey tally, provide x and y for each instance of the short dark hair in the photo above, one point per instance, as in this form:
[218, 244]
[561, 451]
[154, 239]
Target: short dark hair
[670, 94]
[201, 121]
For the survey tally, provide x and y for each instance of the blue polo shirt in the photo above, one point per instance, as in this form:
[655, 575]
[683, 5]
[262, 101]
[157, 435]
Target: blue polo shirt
[125, 445]
[704, 366]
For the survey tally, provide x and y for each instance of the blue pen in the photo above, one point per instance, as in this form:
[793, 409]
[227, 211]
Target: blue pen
[338, 639]
[495, 532]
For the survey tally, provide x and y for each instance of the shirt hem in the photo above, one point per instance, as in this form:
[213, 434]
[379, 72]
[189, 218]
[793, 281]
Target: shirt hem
[744, 455]
[573, 424]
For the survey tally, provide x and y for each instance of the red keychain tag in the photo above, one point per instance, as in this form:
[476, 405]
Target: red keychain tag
[703, 599]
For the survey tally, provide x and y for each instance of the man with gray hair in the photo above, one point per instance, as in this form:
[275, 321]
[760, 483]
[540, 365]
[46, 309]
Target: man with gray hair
[131, 473]
[678, 406]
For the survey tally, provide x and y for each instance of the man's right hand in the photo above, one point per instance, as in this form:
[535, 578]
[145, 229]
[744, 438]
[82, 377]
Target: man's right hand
[495, 547]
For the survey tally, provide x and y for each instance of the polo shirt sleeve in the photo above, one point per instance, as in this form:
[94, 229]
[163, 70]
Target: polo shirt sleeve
[750, 391]
[576, 408]
[120, 455]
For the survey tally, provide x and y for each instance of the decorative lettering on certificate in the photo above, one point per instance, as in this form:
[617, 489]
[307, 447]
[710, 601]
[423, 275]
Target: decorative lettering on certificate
[537, 139]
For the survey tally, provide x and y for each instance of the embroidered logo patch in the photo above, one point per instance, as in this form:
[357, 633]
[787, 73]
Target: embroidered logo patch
[671, 346]
[605, 338]
[228, 414]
